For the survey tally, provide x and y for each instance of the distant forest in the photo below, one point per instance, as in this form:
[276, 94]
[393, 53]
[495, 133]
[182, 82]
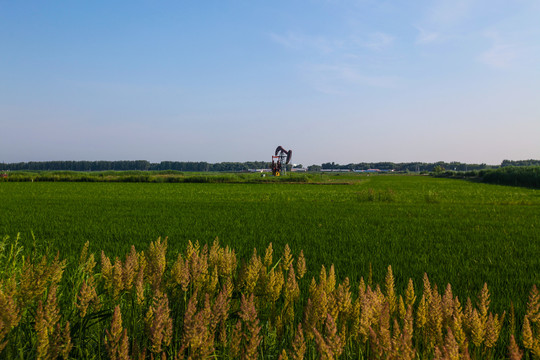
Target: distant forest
[244, 166]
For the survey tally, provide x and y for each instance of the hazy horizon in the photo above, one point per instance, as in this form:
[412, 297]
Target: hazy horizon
[343, 81]
[305, 165]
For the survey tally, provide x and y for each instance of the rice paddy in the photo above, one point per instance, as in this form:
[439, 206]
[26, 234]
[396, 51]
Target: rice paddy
[458, 232]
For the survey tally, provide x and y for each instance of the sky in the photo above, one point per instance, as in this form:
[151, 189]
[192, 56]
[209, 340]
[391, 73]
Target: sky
[343, 81]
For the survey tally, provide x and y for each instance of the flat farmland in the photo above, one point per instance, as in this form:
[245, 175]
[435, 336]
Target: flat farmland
[457, 232]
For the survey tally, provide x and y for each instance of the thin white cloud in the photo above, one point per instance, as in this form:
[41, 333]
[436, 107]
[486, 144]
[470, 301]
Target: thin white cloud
[290, 40]
[444, 20]
[343, 78]
[426, 37]
[374, 41]
[450, 12]
[339, 72]
[501, 54]
[378, 41]
[298, 41]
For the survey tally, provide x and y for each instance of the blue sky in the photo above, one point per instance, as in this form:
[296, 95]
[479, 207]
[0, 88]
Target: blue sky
[333, 80]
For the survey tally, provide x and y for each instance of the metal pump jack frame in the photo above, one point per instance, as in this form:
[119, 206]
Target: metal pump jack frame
[280, 160]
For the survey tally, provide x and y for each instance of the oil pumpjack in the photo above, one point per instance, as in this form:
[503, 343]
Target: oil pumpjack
[280, 159]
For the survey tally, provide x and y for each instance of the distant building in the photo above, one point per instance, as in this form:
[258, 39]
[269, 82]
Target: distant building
[374, 170]
[260, 170]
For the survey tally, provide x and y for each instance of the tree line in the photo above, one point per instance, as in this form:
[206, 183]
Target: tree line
[126, 165]
[144, 165]
[404, 167]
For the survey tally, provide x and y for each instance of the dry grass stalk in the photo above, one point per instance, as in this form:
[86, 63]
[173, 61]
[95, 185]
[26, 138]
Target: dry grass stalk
[199, 340]
[268, 256]
[368, 315]
[435, 318]
[42, 333]
[139, 286]
[130, 269]
[287, 258]
[274, 285]
[63, 340]
[422, 313]
[383, 331]
[252, 329]
[512, 319]
[123, 350]
[390, 290]
[236, 340]
[427, 290]
[301, 265]
[533, 305]
[291, 290]
[51, 310]
[190, 331]
[457, 329]
[299, 344]
[192, 249]
[527, 335]
[87, 295]
[212, 282]
[331, 345]
[180, 273]
[468, 316]
[252, 272]
[227, 262]
[331, 280]
[198, 266]
[319, 300]
[10, 314]
[51, 341]
[117, 278]
[493, 329]
[395, 341]
[283, 355]
[113, 336]
[447, 305]
[514, 352]
[451, 347]
[156, 262]
[84, 253]
[310, 319]
[343, 298]
[215, 253]
[478, 329]
[220, 313]
[87, 262]
[106, 271]
[361, 288]
[401, 308]
[483, 304]
[161, 324]
[406, 350]
[35, 278]
[410, 297]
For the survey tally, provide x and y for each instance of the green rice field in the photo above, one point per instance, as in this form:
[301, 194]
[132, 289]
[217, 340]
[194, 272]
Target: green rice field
[458, 232]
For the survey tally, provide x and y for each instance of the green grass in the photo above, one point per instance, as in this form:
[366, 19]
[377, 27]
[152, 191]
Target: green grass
[458, 232]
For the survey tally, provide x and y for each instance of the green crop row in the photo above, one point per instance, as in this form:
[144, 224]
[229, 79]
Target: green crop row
[166, 176]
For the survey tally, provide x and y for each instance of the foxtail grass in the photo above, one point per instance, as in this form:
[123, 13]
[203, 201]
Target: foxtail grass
[205, 302]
